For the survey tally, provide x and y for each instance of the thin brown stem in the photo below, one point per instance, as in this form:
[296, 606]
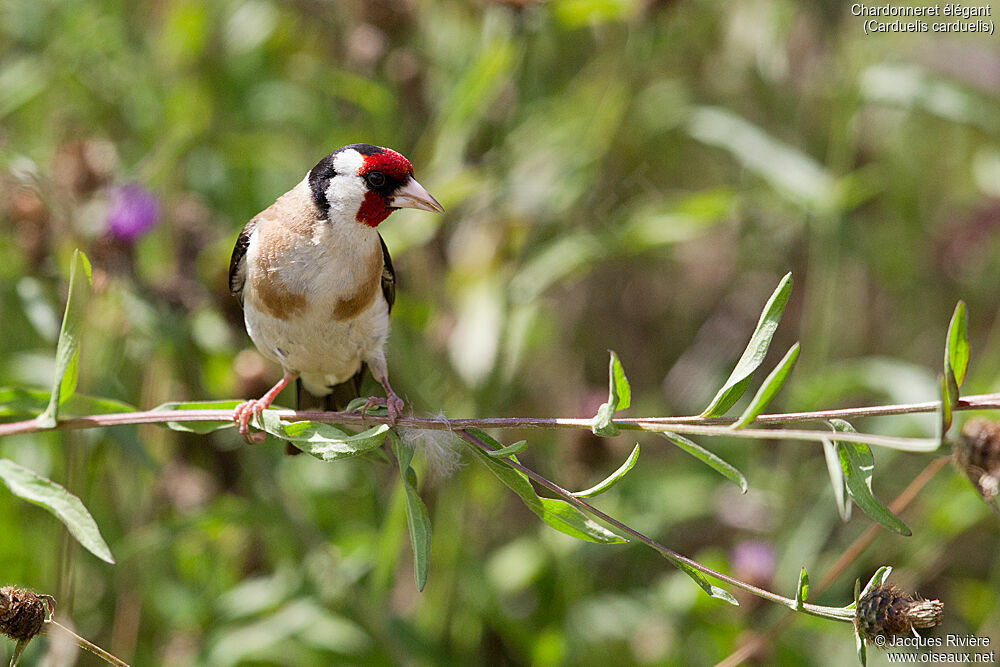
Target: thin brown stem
[83, 643]
[688, 425]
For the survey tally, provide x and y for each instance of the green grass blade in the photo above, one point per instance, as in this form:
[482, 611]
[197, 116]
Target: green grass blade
[613, 478]
[772, 385]
[68, 347]
[753, 355]
[708, 458]
[66, 507]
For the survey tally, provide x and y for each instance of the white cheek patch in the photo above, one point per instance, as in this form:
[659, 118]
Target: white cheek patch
[345, 195]
[346, 191]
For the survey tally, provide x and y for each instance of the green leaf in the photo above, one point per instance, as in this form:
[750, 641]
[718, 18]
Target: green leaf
[198, 427]
[802, 591]
[710, 459]
[38, 490]
[619, 398]
[714, 591]
[324, 441]
[509, 450]
[771, 386]
[557, 513]
[956, 353]
[17, 402]
[958, 342]
[613, 478]
[878, 579]
[859, 643]
[753, 355]
[19, 647]
[858, 464]
[946, 406]
[840, 494]
[68, 347]
[356, 404]
[418, 521]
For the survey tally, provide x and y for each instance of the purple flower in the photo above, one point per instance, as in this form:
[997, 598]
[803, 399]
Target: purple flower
[754, 560]
[133, 212]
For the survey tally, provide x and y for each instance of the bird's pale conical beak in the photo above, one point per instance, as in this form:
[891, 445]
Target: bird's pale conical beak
[413, 195]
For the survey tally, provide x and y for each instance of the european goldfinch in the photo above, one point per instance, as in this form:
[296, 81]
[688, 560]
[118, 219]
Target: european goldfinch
[316, 282]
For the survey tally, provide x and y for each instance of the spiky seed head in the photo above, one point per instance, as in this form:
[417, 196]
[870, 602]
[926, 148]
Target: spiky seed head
[886, 611]
[977, 454]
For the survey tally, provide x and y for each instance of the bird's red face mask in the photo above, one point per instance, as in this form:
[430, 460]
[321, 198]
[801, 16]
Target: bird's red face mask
[389, 179]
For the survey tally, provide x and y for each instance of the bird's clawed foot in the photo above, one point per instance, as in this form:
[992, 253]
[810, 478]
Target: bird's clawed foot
[394, 404]
[243, 413]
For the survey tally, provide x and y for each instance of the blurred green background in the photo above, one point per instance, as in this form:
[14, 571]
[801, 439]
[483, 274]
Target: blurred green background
[625, 174]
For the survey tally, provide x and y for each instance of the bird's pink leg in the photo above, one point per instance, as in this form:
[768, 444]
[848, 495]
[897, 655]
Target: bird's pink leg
[392, 402]
[243, 412]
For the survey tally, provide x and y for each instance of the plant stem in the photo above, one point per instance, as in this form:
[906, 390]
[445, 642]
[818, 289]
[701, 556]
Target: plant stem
[833, 613]
[757, 641]
[84, 644]
[688, 425]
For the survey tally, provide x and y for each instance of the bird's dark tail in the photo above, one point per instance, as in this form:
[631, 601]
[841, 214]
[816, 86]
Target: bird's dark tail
[338, 399]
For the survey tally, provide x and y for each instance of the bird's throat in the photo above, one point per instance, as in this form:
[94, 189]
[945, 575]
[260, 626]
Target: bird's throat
[373, 209]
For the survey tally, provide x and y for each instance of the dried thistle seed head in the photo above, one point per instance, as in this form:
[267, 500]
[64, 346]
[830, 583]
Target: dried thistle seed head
[977, 454]
[886, 611]
[22, 613]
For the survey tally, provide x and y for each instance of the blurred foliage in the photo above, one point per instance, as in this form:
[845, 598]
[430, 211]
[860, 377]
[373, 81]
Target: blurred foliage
[627, 174]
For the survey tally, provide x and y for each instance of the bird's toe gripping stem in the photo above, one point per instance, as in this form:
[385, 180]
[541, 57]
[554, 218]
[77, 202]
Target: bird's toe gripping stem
[242, 414]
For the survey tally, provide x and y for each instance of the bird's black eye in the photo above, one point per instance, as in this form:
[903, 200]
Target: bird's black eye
[376, 179]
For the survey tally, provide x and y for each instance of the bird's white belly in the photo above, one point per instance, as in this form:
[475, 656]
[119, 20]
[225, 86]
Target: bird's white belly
[324, 350]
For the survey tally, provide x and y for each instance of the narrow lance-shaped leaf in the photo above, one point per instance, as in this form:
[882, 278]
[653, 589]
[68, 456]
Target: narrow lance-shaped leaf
[705, 584]
[36, 489]
[878, 579]
[19, 647]
[837, 480]
[858, 464]
[324, 441]
[946, 406]
[418, 521]
[198, 427]
[802, 590]
[956, 353]
[16, 402]
[557, 513]
[68, 347]
[709, 458]
[619, 398]
[753, 355]
[509, 450]
[958, 342]
[771, 386]
[613, 478]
